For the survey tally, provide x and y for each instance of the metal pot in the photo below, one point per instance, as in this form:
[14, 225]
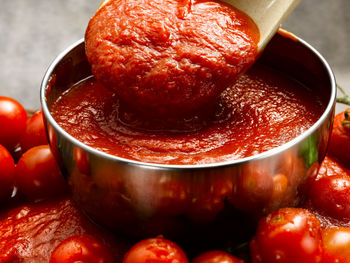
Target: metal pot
[143, 199]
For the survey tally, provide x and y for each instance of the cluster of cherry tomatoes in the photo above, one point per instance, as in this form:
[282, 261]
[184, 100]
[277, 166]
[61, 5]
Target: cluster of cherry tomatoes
[36, 174]
[318, 231]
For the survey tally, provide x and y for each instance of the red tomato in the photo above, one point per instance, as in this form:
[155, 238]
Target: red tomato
[216, 256]
[331, 195]
[7, 172]
[336, 242]
[287, 235]
[330, 167]
[339, 145]
[155, 250]
[13, 119]
[81, 248]
[34, 133]
[38, 175]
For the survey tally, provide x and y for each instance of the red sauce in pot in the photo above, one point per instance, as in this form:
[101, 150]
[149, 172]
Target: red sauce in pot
[263, 110]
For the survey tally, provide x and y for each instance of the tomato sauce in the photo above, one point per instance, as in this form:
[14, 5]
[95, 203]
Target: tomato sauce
[31, 231]
[263, 110]
[169, 57]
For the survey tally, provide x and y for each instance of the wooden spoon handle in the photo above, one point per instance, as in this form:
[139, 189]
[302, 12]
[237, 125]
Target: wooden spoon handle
[267, 14]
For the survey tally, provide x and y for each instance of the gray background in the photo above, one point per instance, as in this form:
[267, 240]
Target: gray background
[33, 32]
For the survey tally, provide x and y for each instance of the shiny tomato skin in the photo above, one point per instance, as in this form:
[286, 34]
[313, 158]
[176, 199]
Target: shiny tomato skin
[81, 248]
[155, 250]
[329, 167]
[287, 235]
[216, 256]
[336, 242]
[339, 145]
[13, 119]
[34, 133]
[38, 175]
[7, 173]
[331, 195]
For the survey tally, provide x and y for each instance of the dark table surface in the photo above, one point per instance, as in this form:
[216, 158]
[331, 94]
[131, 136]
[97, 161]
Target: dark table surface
[34, 32]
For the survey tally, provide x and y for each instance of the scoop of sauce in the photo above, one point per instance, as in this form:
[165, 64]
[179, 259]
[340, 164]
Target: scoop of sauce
[263, 110]
[169, 57]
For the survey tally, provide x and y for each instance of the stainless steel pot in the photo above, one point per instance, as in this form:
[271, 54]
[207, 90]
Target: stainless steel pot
[144, 199]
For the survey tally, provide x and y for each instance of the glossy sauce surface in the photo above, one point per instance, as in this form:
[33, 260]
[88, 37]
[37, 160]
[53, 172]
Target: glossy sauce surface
[263, 110]
[31, 231]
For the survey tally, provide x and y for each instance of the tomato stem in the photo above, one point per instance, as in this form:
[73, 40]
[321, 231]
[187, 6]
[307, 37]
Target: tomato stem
[345, 99]
[346, 121]
[30, 112]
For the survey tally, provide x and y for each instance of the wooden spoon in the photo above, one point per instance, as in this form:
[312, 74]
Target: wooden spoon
[267, 14]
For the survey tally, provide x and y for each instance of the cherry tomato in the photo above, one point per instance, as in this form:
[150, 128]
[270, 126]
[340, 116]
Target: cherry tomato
[34, 133]
[7, 173]
[155, 250]
[13, 119]
[38, 175]
[339, 145]
[81, 248]
[287, 235]
[331, 195]
[330, 166]
[216, 256]
[336, 242]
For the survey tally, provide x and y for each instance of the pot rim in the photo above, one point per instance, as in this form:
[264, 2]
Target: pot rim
[260, 156]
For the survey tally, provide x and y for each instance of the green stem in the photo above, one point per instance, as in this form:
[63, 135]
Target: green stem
[345, 99]
[346, 121]
[347, 115]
